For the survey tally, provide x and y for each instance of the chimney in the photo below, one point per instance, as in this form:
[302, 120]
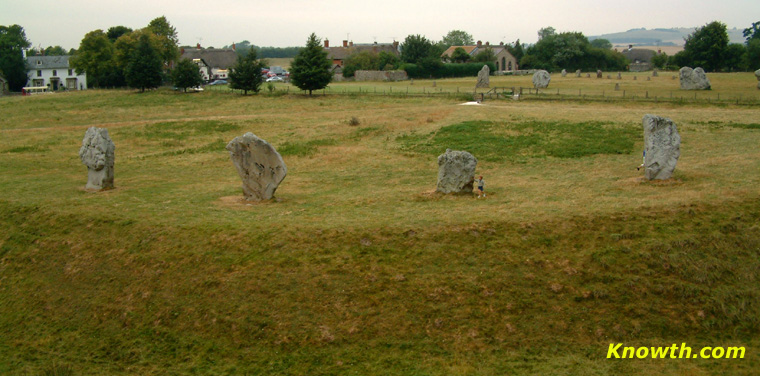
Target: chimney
[480, 44]
[345, 43]
[327, 43]
[351, 43]
[488, 44]
[198, 46]
[233, 47]
[395, 45]
[501, 43]
[182, 51]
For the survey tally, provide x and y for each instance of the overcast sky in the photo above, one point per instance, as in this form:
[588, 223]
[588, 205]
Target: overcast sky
[289, 22]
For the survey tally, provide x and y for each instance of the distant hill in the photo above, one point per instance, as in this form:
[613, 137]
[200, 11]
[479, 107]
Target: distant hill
[661, 37]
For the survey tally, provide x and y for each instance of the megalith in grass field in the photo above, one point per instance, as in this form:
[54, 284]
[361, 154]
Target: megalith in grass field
[541, 79]
[757, 74]
[662, 147]
[693, 79]
[484, 77]
[98, 154]
[259, 165]
[456, 172]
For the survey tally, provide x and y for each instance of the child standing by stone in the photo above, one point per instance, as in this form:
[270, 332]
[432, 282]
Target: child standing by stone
[481, 186]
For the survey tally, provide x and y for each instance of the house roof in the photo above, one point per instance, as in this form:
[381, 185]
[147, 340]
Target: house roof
[450, 50]
[47, 62]
[222, 58]
[639, 54]
[342, 53]
[474, 50]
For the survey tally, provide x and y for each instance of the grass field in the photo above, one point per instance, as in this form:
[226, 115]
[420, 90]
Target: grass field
[358, 267]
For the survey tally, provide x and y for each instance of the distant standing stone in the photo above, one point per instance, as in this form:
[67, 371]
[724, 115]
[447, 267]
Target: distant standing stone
[617, 87]
[609, 77]
[693, 79]
[259, 165]
[649, 78]
[456, 172]
[635, 78]
[588, 75]
[655, 72]
[599, 73]
[662, 145]
[564, 73]
[757, 74]
[578, 73]
[98, 154]
[541, 79]
[619, 76]
[484, 77]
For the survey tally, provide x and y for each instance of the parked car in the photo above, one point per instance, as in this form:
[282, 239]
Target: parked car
[219, 82]
[275, 79]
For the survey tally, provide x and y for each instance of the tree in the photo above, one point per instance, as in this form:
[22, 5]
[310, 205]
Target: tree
[570, 51]
[753, 54]
[752, 32]
[387, 61]
[516, 50]
[546, 32]
[706, 46]
[115, 32]
[96, 57]
[12, 64]
[186, 74]
[485, 56]
[735, 58]
[460, 55]
[246, 74]
[415, 48]
[456, 38]
[167, 39]
[310, 69]
[364, 60]
[601, 43]
[144, 68]
[660, 60]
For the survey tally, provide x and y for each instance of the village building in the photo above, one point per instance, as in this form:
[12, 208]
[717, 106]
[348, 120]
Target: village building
[338, 55]
[640, 58]
[503, 60]
[55, 73]
[213, 63]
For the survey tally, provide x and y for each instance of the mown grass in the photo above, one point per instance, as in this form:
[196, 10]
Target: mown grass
[358, 267]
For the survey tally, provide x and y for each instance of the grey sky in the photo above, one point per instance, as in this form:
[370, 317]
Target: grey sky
[289, 22]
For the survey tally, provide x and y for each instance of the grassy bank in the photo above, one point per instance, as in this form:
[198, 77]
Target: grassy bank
[359, 267]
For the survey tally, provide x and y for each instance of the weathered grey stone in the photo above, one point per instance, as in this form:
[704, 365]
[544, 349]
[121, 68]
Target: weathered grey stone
[259, 165]
[541, 79]
[693, 79]
[649, 78]
[578, 73]
[757, 74]
[598, 73]
[98, 154]
[484, 77]
[662, 147]
[564, 73]
[588, 75]
[456, 171]
[619, 76]
[617, 86]
[655, 72]
[635, 78]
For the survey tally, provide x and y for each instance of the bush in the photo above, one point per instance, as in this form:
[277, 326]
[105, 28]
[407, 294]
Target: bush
[451, 70]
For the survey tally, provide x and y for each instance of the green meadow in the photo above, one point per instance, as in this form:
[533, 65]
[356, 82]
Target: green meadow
[358, 267]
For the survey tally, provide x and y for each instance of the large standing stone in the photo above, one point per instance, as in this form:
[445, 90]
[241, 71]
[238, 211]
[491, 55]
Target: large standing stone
[564, 73]
[484, 77]
[259, 165]
[98, 154]
[757, 74]
[541, 79]
[655, 72]
[456, 171]
[693, 79]
[598, 73]
[662, 147]
[578, 73]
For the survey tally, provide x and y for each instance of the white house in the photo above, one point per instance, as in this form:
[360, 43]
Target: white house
[214, 63]
[54, 72]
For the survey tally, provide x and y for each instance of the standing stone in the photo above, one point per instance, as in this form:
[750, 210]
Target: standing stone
[634, 78]
[98, 154]
[598, 73]
[757, 74]
[578, 73]
[620, 76]
[693, 79]
[649, 78]
[564, 73]
[617, 86]
[609, 77]
[662, 145]
[456, 172]
[259, 165]
[484, 77]
[541, 79]
[588, 75]
[655, 72]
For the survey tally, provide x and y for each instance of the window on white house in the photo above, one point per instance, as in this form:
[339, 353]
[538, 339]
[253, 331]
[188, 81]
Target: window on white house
[39, 73]
[55, 72]
[39, 62]
[71, 72]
